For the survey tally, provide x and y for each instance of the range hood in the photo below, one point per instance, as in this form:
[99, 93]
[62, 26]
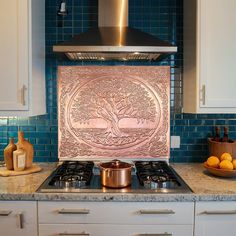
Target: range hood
[113, 39]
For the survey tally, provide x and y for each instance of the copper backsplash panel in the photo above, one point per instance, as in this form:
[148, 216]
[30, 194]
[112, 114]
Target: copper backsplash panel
[113, 112]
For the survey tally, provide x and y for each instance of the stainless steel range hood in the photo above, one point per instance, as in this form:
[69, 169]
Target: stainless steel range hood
[113, 39]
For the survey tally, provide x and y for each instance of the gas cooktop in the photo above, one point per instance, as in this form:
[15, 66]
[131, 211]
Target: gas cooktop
[84, 176]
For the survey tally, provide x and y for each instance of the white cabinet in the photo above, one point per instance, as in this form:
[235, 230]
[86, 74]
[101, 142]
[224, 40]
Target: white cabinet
[116, 218]
[22, 57]
[215, 218]
[209, 56]
[18, 218]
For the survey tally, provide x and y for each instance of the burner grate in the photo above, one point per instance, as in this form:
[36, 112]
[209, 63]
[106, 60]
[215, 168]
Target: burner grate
[155, 174]
[73, 174]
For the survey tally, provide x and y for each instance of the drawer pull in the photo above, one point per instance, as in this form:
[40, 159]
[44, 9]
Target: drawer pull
[74, 211]
[79, 234]
[163, 234]
[233, 212]
[19, 220]
[156, 212]
[5, 213]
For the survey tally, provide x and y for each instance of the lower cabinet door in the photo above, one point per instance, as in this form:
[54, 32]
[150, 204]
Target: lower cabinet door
[18, 218]
[114, 230]
[215, 219]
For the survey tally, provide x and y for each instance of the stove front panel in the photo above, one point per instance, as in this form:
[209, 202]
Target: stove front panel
[108, 112]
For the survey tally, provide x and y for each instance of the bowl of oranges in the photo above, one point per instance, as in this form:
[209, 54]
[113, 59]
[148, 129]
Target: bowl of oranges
[224, 166]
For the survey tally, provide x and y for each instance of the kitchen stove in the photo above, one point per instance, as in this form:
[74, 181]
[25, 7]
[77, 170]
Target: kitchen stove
[83, 176]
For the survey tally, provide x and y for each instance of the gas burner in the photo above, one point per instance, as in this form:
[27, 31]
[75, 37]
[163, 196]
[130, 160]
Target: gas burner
[158, 178]
[156, 175]
[72, 181]
[73, 174]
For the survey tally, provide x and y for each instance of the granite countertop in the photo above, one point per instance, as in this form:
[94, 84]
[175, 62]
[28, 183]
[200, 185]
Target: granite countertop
[205, 188]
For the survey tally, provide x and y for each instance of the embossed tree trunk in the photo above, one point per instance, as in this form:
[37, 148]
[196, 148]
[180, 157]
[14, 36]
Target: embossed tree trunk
[113, 129]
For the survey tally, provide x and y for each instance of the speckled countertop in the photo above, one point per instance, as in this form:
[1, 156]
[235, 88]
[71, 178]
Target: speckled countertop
[205, 188]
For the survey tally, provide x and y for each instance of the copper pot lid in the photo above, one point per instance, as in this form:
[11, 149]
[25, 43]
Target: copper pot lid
[116, 164]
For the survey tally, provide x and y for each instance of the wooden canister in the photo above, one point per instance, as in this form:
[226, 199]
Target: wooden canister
[218, 148]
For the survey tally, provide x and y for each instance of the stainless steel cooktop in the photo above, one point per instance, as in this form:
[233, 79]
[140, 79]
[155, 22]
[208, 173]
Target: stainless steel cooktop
[82, 177]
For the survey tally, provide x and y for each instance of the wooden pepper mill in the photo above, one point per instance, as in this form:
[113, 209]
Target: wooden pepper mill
[28, 147]
[8, 154]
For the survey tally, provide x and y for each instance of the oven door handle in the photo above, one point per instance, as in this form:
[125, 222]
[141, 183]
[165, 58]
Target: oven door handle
[156, 212]
[74, 211]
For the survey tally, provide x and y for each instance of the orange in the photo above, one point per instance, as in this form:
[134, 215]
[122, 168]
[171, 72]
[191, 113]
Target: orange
[226, 165]
[234, 164]
[226, 156]
[213, 161]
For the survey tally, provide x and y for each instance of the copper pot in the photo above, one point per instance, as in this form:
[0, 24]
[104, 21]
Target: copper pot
[115, 174]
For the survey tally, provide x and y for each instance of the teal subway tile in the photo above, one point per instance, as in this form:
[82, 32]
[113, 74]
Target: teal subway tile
[208, 122]
[3, 143]
[195, 122]
[31, 140]
[13, 128]
[43, 141]
[42, 153]
[189, 129]
[51, 147]
[43, 128]
[195, 147]
[187, 140]
[13, 134]
[221, 122]
[27, 128]
[181, 122]
[54, 154]
[232, 122]
[54, 128]
[40, 147]
[3, 128]
[204, 128]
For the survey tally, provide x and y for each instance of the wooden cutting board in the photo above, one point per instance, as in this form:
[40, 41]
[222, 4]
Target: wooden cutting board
[33, 169]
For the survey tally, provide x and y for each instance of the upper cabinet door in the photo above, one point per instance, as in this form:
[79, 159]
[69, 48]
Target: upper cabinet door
[14, 55]
[217, 51]
[209, 56]
[22, 57]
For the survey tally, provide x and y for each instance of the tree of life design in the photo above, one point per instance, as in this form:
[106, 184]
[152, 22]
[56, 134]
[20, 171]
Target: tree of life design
[111, 100]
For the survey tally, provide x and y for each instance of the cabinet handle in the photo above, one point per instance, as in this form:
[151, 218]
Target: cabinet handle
[233, 212]
[5, 213]
[23, 95]
[19, 220]
[79, 234]
[163, 234]
[156, 212]
[203, 94]
[74, 211]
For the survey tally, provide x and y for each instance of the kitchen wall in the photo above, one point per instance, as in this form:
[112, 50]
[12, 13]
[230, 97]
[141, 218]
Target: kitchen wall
[161, 18]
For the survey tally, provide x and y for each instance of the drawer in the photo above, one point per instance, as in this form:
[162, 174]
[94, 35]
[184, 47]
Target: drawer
[116, 212]
[114, 230]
